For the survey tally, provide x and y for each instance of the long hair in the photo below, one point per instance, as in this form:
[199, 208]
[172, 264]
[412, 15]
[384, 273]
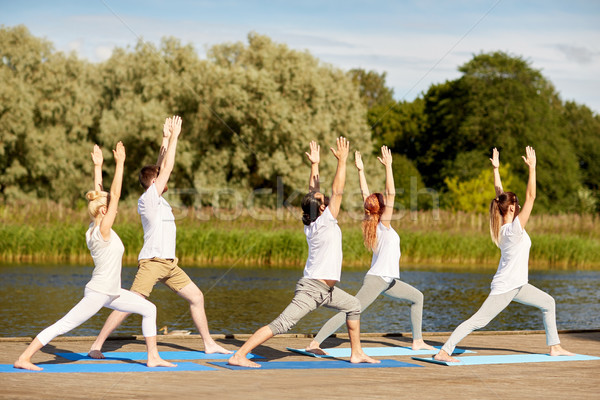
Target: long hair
[310, 208]
[374, 207]
[96, 200]
[148, 173]
[498, 209]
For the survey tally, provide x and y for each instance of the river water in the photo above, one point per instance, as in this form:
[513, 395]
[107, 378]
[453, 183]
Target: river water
[241, 300]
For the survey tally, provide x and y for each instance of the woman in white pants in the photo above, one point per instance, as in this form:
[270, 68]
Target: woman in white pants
[384, 274]
[104, 289]
[507, 228]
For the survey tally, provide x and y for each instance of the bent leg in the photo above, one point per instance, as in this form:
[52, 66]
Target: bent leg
[114, 320]
[491, 307]
[403, 291]
[371, 288]
[195, 297]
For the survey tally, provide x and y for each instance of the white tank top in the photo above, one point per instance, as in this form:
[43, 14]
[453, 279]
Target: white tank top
[386, 257]
[107, 256]
[513, 268]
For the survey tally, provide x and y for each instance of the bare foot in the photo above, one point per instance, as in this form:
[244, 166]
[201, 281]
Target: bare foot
[241, 361]
[216, 348]
[557, 350]
[24, 364]
[362, 358]
[314, 348]
[420, 344]
[443, 356]
[97, 354]
[159, 363]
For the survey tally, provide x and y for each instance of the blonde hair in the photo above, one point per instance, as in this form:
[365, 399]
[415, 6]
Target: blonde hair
[96, 200]
[374, 207]
[498, 209]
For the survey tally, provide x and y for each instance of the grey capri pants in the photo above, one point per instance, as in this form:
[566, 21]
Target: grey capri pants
[494, 304]
[311, 294]
[372, 287]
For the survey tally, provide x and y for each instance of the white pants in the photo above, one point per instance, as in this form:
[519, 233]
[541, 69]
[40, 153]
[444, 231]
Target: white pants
[494, 304]
[92, 302]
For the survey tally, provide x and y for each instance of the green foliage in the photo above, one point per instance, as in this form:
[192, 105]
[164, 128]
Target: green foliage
[372, 88]
[475, 194]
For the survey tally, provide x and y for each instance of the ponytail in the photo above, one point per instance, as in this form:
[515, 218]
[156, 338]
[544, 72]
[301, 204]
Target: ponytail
[96, 200]
[498, 209]
[374, 207]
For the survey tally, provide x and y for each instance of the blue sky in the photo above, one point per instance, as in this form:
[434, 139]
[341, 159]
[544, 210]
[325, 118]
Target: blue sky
[417, 43]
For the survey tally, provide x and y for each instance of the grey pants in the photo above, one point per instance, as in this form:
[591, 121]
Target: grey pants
[494, 304]
[311, 294]
[372, 287]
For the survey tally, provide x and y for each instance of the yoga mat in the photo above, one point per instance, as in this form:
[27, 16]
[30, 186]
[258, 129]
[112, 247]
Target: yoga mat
[325, 364]
[375, 351]
[142, 355]
[107, 367]
[507, 359]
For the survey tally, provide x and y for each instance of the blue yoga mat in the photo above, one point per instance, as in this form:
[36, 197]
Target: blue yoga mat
[325, 364]
[375, 351]
[140, 355]
[508, 359]
[107, 367]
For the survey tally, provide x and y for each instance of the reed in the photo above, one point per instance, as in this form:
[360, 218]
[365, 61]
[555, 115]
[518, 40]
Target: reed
[47, 232]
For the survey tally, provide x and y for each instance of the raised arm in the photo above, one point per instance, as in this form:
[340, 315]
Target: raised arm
[314, 184]
[98, 160]
[525, 212]
[165, 143]
[364, 188]
[496, 164]
[115, 192]
[390, 189]
[169, 161]
[339, 181]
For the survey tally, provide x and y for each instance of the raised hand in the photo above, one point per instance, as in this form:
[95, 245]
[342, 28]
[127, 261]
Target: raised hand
[314, 156]
[343, 148]
[386, 156]
[167, 128]
[530, 159]
[176, 126]
[495, 158]
[358, 161]
[119, 153]
[97, 155]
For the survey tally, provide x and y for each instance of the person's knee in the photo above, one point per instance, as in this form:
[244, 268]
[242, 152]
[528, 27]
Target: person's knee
[196, 297]
[549, 304]
[280, 325]
[150, 310]
[354, 309]
[418, 298]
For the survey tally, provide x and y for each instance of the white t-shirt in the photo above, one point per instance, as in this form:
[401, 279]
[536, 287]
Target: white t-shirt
[514, 262]
[158, 222]
[107, 256]
[386, 257]
[324, 238]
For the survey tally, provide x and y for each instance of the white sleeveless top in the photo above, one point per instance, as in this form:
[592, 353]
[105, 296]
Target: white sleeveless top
[386, 257]
[159, 227]
[107, 256]
[324, 238]
[513, 268]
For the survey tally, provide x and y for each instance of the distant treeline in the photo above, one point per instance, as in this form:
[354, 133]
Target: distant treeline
[250, 110]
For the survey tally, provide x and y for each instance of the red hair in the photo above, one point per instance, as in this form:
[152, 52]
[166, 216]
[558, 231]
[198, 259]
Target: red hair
[374, 207]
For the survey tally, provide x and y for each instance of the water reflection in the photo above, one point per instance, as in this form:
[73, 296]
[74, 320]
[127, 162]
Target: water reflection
[242, 300]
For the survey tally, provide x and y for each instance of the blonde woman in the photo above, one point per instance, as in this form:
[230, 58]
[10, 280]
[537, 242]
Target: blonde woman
[104, 289]
[384, 242]
[507, 228]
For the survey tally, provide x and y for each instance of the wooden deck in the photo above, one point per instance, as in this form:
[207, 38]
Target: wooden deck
[550, 380]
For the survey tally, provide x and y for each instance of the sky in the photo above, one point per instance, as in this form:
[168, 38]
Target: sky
[417, 43]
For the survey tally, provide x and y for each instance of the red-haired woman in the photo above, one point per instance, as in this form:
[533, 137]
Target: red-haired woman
[384, 242]
[507, 228]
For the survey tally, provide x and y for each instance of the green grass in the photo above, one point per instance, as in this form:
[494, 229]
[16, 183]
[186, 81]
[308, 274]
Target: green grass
[46, 232]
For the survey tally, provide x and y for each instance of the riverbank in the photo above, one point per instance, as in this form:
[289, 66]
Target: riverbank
[577, 379]
[47, 232]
